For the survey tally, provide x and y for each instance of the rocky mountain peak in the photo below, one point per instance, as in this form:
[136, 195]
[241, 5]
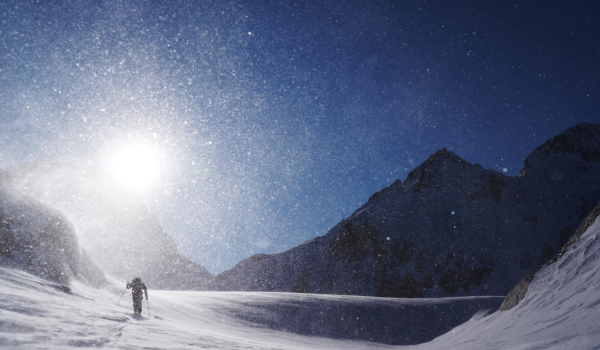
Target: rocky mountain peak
[442, 161]
[443, 156]
[582, 139]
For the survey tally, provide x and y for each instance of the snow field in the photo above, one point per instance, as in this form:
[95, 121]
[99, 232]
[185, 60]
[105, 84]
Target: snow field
[36, 314]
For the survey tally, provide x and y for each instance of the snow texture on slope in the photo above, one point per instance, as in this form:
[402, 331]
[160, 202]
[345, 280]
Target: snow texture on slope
[451, 228]
[116, 229]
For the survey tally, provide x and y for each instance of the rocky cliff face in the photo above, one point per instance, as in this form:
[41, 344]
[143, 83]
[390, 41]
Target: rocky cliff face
[41, 241]
[518, 293]
[450, 228]
[117, 230]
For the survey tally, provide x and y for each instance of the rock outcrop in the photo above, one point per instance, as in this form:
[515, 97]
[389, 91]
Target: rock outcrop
[518, 293]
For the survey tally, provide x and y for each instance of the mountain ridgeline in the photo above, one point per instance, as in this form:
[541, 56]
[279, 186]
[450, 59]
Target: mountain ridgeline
[450, 228]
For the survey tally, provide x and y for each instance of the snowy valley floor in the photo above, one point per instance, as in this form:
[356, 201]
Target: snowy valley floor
[35, 314]
[561, 311]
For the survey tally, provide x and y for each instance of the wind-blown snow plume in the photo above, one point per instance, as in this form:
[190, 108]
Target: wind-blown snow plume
[41, 240]
[117, 229]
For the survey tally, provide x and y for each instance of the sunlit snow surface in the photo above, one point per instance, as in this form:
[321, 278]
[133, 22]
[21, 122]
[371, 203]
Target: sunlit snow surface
[36, 314]
[560, 311]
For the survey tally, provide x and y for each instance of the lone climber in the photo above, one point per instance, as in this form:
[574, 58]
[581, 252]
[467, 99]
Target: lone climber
[137, 294]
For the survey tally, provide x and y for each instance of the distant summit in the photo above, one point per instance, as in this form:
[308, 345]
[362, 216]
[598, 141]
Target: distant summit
[434, 171]
[450, 228]
[582, 139]
[441, 160]
[442, 157]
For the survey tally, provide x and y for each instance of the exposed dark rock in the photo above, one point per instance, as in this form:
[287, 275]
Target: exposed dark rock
[528, 217]
[528, 262]
[565, 235]
[587, 222]
[301, 283]
[406, 286]
[494, 188]
[517, 293]
[520, 290]
[426, 174]
[547, 253]
[353, 243]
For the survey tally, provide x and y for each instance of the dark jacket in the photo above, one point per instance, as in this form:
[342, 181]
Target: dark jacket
[137, 289]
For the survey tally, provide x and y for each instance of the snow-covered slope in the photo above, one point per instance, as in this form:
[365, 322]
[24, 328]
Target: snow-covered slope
[115, 228]
[451, 228]
[35, 314]
[41, 240]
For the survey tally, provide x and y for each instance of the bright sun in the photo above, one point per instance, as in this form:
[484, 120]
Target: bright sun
[135, 166]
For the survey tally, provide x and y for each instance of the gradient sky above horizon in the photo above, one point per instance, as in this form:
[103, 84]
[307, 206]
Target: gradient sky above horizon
[277, 119]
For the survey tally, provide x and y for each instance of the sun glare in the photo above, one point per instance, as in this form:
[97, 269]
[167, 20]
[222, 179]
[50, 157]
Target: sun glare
[135, 166]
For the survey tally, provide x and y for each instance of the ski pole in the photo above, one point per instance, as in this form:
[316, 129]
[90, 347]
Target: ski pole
[148, 303]
[121, 297]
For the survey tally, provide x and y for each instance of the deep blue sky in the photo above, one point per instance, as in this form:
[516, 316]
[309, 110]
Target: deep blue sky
[280, 118]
